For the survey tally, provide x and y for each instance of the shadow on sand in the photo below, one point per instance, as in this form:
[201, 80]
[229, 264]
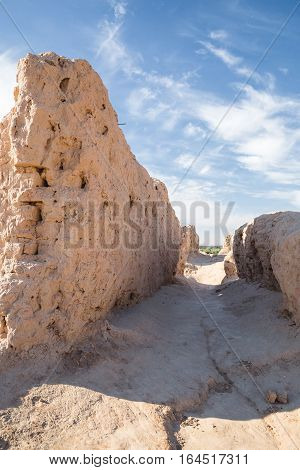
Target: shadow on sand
[170, 350]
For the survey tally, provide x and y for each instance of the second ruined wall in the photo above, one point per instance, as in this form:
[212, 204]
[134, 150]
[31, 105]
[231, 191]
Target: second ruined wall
[189, 244]
[268, 250]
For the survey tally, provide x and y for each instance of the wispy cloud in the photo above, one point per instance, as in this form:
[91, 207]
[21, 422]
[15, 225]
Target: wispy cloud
[258, 140]
[218, 34]
[193, 130]
[234, 62]
[110, 48]
[284, 70]
[119, 8]
[292, 197]
[260, 131]
[229, 59]
[184, 160]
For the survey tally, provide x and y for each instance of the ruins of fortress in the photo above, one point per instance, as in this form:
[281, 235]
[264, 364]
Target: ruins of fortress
[84, 228]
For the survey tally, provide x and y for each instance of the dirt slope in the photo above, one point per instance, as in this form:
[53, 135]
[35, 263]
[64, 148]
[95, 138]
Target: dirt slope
[187, 368]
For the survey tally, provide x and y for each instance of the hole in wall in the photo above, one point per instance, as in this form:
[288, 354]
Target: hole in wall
[105, 130]
[83, 181]
[89, 113]
[3, 327]
[48, 144]
[154, 210]
[30, 249]
[39, 214]
[64, 84]
[42, 173]
[45, 183]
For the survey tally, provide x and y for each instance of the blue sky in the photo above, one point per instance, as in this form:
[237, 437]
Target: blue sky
[172, 69]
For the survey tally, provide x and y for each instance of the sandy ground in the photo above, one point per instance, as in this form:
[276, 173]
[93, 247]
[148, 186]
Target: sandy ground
[187, 368]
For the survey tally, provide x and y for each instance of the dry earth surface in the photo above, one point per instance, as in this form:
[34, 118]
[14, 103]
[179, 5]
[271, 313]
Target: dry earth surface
[187, 368]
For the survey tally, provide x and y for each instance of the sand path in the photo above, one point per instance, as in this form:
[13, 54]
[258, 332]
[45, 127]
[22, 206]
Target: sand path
[187, 368]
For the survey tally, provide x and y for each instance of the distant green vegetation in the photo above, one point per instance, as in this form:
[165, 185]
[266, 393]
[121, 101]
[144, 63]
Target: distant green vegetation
[210, 250]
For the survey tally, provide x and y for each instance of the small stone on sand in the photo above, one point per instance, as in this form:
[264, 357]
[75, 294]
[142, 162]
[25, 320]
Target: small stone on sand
[282, 398]
[271, 396]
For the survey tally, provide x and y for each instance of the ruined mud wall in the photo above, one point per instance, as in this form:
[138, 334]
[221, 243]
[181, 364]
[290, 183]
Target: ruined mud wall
[227, 245]
[83, 226]
[268, 250]
[229, 262]
[229, 265]
[189, 244]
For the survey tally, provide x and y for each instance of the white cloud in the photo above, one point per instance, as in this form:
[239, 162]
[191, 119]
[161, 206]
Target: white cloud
[192, 130]
[261, 132]
[201, 168]
[284, 70]
[218, 34]
[236, 63]
[142, 101]
[161, 80]
[119, 9]
[110, 48]
[184, 160]
[7, 81]
[170, 100]
[229, 59]
[292, 197]
[244, 71]
[205, 169]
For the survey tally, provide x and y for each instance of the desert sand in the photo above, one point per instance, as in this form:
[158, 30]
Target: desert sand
[188, 368]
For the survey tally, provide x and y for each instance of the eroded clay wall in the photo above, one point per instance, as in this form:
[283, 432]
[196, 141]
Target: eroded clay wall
[83, 226]
[268, 250]
[189, 244]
